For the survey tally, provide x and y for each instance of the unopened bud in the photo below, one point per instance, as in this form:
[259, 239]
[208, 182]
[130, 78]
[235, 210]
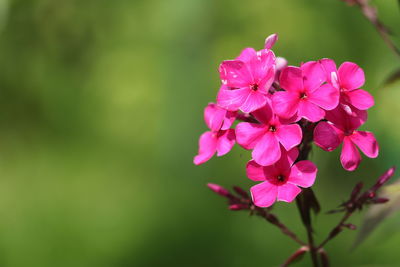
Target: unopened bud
[324, 257]
[219, 190]
[238, 207]
[241, 192]
[384, 178]
[350, 226]
[296, 256]
[270, 41]
[379, 200]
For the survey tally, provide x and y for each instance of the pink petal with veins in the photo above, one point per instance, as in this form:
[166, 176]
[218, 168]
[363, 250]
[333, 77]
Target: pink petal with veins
[313, 75]
[249, 134]
[366, 142]
[291, 79]
[351, 76]
[303, 173]
[326, 136]
[207, 147]
[360, 99]
[226, 140]
[350, 157]
[267, 151]
[285, 104]
[232, 99]
[310, 111]
[288, 192]
[234, 73]
[289, 135]
[326, 96]
[264, 194]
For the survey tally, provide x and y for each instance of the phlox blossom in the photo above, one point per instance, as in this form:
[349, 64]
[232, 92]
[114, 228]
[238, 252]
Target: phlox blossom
[348, 79]
[220, 139]
[341, 127]
[246, 80]
[306, 95]
[280, 181]
[265, 137]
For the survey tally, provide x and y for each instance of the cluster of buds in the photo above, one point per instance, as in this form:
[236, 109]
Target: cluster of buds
[358, 200]
[280, 110]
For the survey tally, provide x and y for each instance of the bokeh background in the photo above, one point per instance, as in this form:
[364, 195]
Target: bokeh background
[101, 108]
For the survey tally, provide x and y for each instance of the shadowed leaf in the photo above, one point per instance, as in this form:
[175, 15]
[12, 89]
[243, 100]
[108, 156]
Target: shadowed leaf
[377, 213]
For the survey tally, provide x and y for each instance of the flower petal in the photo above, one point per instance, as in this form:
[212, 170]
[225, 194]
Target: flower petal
[234, 73]
[207, 147]
[264, 114]
[228, 120]
[326, 136]
[263, 69]
[249, 134]
[289, 135]
[350, 157]
[351, 76]
[288, 192]
[291, 79]
[214, 116]
[256, 172]
[254, 100]
[264, 194]
[267, 151]
[285, 104]
[310, 111]
[226, 140]
[247, 55]
[303, 173]
[286, 160]
[360, 99]
[232, 99]
[329, 66]
[313, 75]
[270, 41]
[326, 96]
[366, 142]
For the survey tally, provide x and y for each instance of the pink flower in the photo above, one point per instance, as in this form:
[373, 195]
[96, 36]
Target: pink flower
[220, 139]
[348, 79]
[246, 80]
[305, 94]
[265, 138]
[281, 180]
[342, 128]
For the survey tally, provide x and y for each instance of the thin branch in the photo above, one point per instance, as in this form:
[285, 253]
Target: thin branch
[274, 220]
[371, 14]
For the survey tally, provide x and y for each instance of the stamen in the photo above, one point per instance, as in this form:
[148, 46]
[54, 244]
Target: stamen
[254, 87]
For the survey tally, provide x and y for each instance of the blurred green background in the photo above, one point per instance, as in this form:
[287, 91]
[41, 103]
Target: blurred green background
[101, 107]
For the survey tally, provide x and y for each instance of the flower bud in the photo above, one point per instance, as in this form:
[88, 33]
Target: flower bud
[350, 226]
[238, 207]
[379, 200]
[219, 190]
[384, 178]
[296, 256]
[270, 41]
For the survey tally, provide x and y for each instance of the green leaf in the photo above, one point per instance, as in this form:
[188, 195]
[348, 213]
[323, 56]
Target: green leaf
[378, 212]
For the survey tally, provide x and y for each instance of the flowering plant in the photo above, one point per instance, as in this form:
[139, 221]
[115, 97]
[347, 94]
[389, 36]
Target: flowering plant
[281, 110]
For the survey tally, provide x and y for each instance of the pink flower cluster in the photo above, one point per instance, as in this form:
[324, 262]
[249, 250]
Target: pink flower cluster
[276, 106]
